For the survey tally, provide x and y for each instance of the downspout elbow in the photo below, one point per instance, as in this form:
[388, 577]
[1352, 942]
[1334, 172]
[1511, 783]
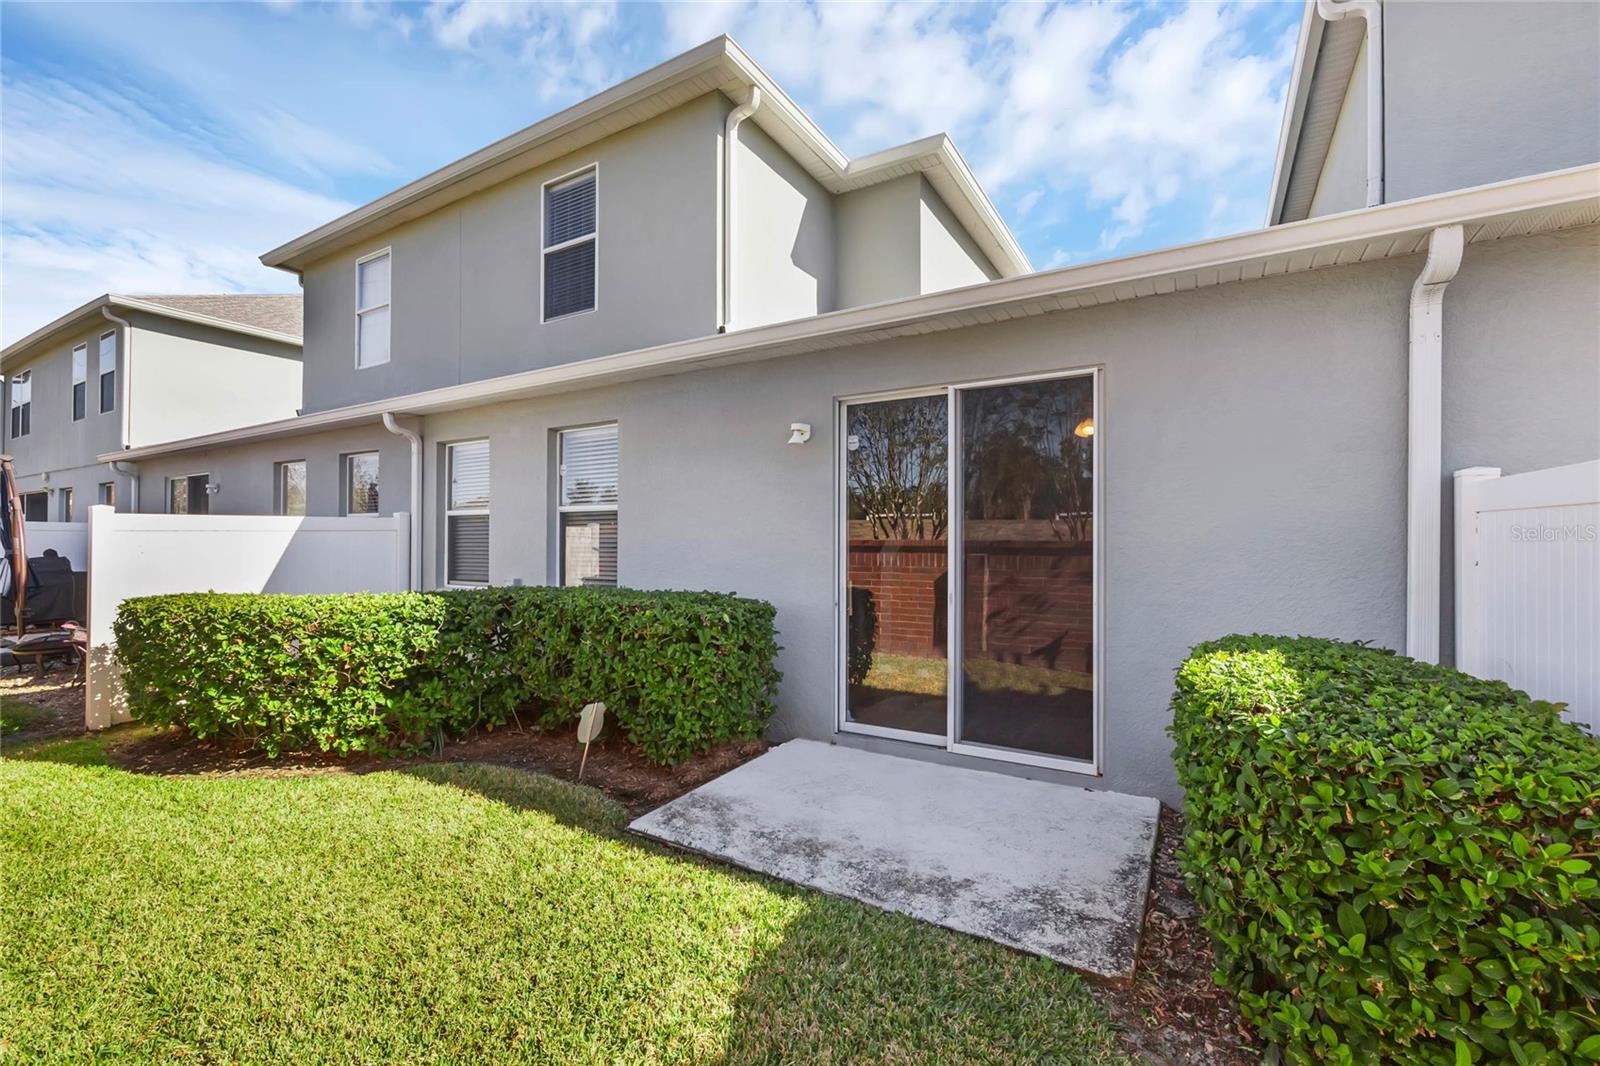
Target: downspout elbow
[1372, 12]
[415, 439]
[131, 472]
[730, 154]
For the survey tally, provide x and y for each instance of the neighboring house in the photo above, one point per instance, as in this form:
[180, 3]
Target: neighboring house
[130, 371]
[919, 452]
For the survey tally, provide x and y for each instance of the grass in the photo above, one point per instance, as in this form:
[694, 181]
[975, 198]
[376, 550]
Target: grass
[926, 677]
[453, 913]
[17, 715]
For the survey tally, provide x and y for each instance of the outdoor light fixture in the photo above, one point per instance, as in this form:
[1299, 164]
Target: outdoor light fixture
[799, 432]
[1084, 428]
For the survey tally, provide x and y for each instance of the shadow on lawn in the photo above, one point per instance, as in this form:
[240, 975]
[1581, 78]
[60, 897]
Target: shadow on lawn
[846, 982]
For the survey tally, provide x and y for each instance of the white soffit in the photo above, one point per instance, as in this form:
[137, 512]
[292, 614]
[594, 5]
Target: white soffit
[1560, 200]
[1330, 83]
[718, 65]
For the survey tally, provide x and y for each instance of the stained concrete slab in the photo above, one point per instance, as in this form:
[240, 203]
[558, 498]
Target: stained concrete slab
[1050, 869]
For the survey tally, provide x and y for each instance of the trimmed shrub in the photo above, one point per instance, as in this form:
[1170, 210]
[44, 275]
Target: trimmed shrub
[1397, 861]
[678, 671]
[284, 672]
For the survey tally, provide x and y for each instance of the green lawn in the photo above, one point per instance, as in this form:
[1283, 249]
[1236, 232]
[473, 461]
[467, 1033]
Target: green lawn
[457, 913]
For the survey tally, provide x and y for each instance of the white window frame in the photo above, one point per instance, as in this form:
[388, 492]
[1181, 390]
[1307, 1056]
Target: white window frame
[64, 505]
[578, 508]
[545, 249]
[386, 305]
[25, 378]
[72, 397]
[345, 482]
[452, 512]
[185, 477]
[103, 370]
[280, 487]
[106, 494]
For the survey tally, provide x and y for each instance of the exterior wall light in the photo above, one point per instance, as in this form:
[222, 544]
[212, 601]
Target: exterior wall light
[1084, 428]
[799, 432]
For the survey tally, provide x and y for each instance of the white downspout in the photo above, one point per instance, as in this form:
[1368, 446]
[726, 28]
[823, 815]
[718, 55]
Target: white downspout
[1372, 12]
[124, 392]
[131, 472]
[1425, 448]
[416, 494]
[730, 153]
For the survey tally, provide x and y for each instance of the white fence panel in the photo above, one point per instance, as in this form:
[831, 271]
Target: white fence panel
[69, 539]
[146, 555]
[1528, 582]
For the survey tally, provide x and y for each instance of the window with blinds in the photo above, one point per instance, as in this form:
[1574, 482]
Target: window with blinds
[372, 310]
[361, 483]
[466, 550]
[22, 405]
[570, 217]
[80, 382]
[586, 501]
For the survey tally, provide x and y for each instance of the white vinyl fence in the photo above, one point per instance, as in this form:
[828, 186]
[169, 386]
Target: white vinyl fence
[1528, 582]
[145, 555]
[69, 539]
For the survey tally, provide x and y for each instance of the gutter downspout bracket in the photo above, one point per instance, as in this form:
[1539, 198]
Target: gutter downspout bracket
[415, 438]
[1425, 441]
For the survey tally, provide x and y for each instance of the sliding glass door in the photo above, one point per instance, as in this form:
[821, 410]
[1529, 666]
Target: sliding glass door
[896, 547]
[977, 633]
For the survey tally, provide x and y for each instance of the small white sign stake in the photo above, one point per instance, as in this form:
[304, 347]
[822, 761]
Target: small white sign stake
[590, 721]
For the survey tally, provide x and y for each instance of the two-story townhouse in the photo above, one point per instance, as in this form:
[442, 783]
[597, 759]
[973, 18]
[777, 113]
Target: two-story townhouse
[129, 371]
[671, 337]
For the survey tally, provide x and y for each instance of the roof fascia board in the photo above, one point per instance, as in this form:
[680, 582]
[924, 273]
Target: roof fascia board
[1305, 64]
[1576, 187]
[723, 61]
[81, 317]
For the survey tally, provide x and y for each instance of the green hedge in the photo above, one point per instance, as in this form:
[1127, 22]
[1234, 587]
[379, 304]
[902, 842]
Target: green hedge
[1397, 861]
[285, 672]
[679, 671]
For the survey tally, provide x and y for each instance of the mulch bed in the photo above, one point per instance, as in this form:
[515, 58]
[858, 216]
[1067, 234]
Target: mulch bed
[57, 697]
[1172, 1012]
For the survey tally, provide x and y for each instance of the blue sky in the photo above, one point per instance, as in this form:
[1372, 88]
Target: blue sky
[163, 147]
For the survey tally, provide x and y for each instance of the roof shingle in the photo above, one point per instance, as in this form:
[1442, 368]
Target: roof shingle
[280, 313]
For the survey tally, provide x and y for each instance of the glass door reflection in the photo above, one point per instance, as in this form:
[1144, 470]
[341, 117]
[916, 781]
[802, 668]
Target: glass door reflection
[897, 517]
[1026, 567]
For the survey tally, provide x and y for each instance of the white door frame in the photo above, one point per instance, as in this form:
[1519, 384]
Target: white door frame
[954, 606]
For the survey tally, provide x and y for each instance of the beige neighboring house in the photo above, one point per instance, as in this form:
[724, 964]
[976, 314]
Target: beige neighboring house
[125, 372]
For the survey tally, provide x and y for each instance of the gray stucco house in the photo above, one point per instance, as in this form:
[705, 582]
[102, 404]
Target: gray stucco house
[672, 337]
[129, 371]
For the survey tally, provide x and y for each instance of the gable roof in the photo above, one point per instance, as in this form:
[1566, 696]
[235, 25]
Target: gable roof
[1325, 57]
[1543, 203]
[718, 65]
[272, 317]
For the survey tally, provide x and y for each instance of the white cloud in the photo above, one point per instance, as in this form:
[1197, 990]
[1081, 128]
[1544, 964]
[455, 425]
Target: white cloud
[558, 42]
[1096, 101]
[102, 195]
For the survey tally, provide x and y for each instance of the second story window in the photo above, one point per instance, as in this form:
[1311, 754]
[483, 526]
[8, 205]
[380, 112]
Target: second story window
[80, 382]
[570, 216]
[361, 483]
[21, 404]
[108, 371]
[372, 310]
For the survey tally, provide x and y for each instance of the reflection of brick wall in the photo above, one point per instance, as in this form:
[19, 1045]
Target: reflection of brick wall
[1028, 601]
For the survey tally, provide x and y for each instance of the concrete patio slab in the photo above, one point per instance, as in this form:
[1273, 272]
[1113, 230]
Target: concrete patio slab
[1050, 869]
